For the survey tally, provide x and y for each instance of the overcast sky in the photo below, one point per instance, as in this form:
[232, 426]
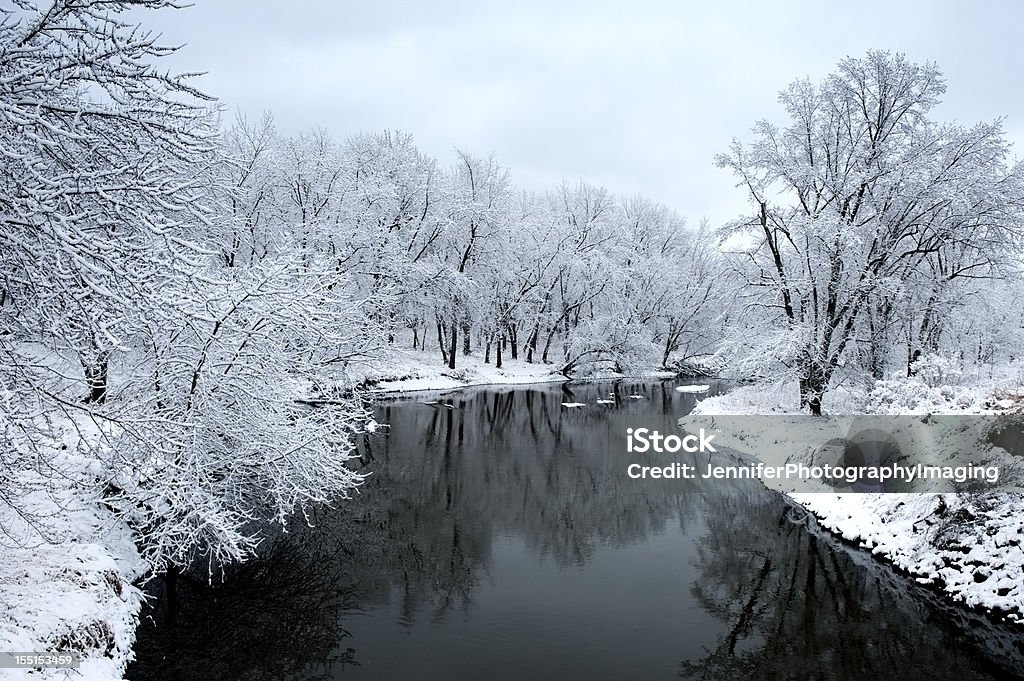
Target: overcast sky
[638, 97]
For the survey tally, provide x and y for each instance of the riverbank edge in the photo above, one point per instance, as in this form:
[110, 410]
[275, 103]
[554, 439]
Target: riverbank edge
[995, 614]
[983, 535]
[419, 371]
[950, 570]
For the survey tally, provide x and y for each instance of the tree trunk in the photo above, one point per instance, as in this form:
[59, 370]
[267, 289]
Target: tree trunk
[931, 329]
[878, 339]
[671, 344]
[911, 358]
[487, 351]
[96, 378]
[531, 343]
[440, 341]
[454, 346]
[497, 352]
[513, 341]
[415, 337]
[171, 593]
[812, 388]
[465, 339]
[547, 345]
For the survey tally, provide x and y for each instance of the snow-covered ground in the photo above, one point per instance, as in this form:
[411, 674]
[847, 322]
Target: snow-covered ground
[401, 370]
[67, 569]
[969, 545]
[404, 370]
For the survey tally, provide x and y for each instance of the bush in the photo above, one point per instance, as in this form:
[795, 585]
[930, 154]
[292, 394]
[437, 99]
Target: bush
[937, 370]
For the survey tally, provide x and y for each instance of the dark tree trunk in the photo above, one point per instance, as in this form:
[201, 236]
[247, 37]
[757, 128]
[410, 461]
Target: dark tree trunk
[497, 352]
[440, 341]
[415, 337]
[812, 388]
[878, 319]
[669, 347]
[547, 345]
[911, 369]
[465, 339]
[96, 379]
[487, 351]
[531, 343]
[931, 330]
[454, 346]
[513, 341]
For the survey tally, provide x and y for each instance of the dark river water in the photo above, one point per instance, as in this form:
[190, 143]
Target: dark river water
[499, 537]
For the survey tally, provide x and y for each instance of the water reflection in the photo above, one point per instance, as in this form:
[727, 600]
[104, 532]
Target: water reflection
[498, 537]
[798, 605]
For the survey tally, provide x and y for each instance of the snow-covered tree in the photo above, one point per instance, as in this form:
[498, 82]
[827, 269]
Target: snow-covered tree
[857, 194]
[99, 174]
[474, 214]
[233, 417]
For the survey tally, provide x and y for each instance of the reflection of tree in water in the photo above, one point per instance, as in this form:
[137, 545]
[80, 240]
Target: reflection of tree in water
[799, 607]
[517, 461]
[448, 478]
[274, 617]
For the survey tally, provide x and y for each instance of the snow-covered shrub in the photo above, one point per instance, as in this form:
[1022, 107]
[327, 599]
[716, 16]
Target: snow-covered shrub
[460, 374]
[608, 343]
[937, 370]
[914, 396]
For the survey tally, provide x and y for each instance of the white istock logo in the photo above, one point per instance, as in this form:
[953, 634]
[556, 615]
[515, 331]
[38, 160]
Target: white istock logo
[642, 440]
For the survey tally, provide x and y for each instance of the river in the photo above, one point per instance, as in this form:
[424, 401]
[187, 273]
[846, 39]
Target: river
[499, 537]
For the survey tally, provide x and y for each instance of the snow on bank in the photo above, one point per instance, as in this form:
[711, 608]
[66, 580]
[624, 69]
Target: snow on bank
[414, 370]
[418, 370]
[67, 565]
[67, 584]
[968, 545]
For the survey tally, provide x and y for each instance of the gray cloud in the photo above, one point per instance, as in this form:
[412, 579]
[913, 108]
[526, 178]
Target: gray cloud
[638, 97]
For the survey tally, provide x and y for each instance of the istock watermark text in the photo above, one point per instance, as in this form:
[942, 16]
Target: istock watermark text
[640, 440]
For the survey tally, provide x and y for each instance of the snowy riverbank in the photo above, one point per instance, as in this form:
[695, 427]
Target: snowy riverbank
[411, 370]
[414, 370]
[967, 545]
[67, 573]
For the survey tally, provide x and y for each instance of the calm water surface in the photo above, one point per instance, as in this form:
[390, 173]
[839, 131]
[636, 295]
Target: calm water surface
[499, 537]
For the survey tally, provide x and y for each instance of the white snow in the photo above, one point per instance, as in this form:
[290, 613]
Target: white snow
[67, 585]
[693, 388]
[415, 370]
[405, 370]
[573, 405]
[606, 401]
